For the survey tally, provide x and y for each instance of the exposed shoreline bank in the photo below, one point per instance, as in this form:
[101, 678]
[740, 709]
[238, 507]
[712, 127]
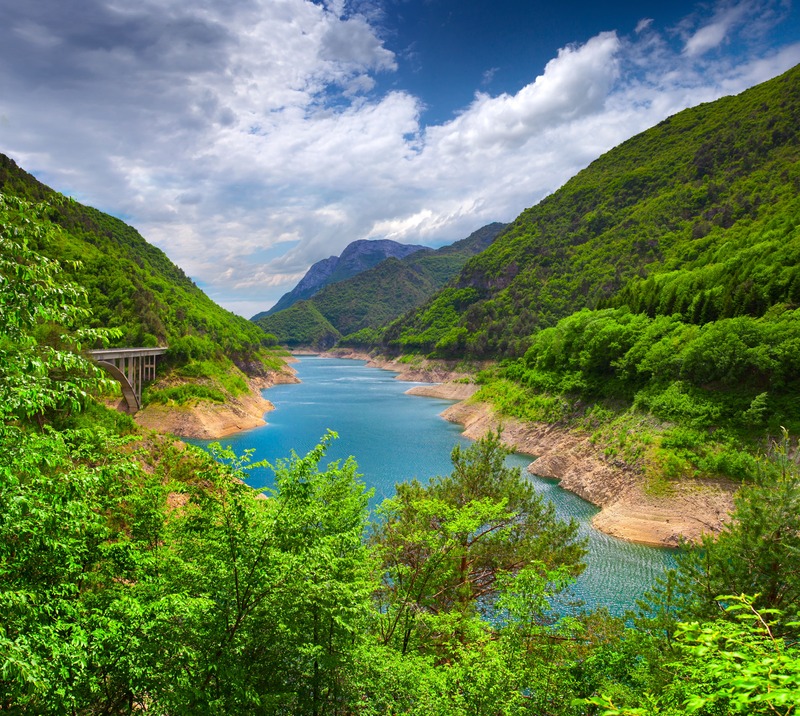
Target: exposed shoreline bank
[212, 421]
[692, 507]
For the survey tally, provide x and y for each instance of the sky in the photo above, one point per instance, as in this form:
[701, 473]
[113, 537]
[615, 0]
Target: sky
[249, 139]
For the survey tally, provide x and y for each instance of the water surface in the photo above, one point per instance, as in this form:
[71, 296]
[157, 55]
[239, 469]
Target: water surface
[396, 437]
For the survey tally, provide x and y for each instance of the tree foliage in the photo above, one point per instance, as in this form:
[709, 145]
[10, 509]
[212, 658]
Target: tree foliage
[42, 322]
[447, 547]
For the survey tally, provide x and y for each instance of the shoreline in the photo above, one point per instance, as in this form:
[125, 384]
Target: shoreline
[213, 421]
[692, 508]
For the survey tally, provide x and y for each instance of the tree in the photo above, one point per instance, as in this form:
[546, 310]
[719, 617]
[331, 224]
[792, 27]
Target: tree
[446, 547]
[758, 551]
[42, 322]
[268, 597]
[734, 665]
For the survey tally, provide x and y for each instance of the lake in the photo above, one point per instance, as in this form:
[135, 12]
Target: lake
[396, 437]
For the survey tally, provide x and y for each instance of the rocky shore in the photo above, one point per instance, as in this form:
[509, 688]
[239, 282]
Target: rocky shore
[211, 421]
[688, 510]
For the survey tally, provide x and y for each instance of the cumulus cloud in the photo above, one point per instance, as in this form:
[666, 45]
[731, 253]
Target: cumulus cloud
[245, 137]
[574, 84]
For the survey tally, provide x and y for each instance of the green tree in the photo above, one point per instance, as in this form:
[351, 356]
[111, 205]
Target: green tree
[272, 594]
[447, 546]
[725, 666]
[758, 552]
[42, 322]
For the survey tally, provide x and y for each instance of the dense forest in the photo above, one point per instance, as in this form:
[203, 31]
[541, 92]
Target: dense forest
[650, 303]
[695, 217]
[140, 575]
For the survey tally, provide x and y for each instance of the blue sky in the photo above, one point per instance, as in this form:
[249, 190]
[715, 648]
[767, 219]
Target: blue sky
[251, 138]
[448, 50]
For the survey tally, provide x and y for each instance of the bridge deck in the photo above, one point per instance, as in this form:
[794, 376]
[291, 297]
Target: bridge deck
[111, 353]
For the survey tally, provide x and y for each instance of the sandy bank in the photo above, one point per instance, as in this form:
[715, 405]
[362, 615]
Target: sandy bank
[445, 391]
[211, 421]
[693, 508]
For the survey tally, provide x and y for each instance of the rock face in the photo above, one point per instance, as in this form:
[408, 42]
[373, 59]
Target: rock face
[691, 509]
[355, 259]
[316, 278]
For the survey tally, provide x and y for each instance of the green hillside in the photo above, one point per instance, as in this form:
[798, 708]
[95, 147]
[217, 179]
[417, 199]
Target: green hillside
[131, 284]
[696, 216]
[143, 575]
[356, 307]
[301, 325]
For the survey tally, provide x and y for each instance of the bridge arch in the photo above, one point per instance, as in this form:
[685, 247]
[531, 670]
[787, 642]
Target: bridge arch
[133, 402]
[132, 367]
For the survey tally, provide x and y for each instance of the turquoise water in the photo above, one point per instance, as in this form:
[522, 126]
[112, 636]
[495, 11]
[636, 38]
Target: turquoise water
[396, 437]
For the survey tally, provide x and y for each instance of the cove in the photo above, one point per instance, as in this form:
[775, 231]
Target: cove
[395, 437]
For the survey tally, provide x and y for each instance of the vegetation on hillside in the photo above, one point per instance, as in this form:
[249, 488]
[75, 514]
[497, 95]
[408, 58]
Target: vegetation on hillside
[141, 575]
[652, 300]
[670, 398]
[131, 285]
[356, 309]
[301, 325]
[135, 292]
[696, 216]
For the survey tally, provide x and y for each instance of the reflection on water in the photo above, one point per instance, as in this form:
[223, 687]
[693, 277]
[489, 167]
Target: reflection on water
[396, 437]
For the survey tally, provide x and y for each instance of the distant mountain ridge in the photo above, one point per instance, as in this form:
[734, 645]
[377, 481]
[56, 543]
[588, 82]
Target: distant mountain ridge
[357, 306]
[358, 256]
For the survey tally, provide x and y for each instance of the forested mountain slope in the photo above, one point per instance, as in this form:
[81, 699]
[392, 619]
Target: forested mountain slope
[142, 575]
[357, 257]
[131, 284]
[355, 307]
[696, 216]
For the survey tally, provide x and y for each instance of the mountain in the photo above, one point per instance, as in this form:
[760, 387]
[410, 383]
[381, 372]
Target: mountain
[131, 284]
[355, 307]
[696, 217]
[357, 256]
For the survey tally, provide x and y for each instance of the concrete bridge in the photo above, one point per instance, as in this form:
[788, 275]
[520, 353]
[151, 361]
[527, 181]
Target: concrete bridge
[132, 367]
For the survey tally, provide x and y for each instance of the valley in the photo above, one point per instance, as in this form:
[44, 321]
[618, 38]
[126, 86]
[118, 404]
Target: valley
[636, 331]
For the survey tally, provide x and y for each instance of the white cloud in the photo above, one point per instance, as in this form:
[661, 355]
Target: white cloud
[241, 138]
[748, 17]
[573, 85]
